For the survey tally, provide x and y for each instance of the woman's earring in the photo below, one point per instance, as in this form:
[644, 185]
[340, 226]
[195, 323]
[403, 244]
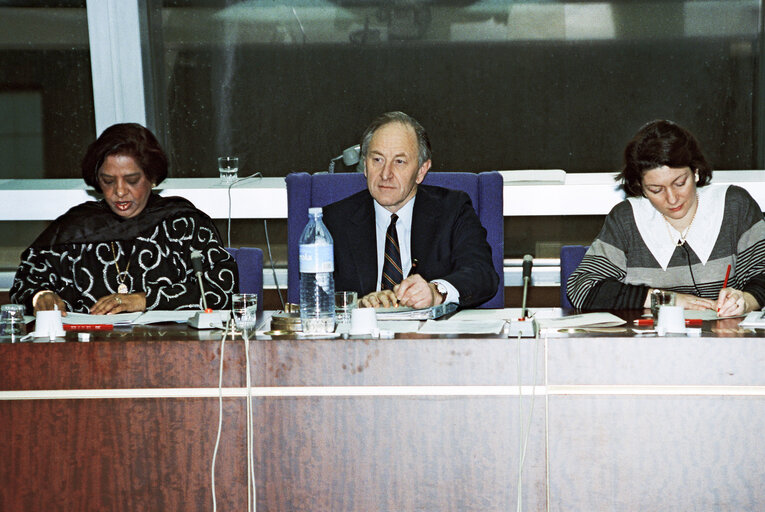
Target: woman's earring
[696, 174]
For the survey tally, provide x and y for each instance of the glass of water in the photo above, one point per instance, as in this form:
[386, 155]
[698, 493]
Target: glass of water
[345, 303]
[12, 321]
[660, 298]
[228, 168]
[244, 309]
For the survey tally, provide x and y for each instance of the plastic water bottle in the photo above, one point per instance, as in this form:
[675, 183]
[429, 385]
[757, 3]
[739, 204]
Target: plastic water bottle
[317, 284]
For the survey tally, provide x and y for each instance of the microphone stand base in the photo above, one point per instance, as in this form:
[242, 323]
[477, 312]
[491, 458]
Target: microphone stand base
[204, 320]
[525, 328]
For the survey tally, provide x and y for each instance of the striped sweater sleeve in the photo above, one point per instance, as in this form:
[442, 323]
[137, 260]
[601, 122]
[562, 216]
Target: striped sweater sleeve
[750, 257]
[598, 282]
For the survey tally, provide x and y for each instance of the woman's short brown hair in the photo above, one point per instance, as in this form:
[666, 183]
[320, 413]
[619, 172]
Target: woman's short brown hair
[660, 143]
[128, 139]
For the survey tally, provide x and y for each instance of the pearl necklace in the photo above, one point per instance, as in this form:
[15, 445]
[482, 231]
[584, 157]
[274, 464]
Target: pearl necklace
[684, 233]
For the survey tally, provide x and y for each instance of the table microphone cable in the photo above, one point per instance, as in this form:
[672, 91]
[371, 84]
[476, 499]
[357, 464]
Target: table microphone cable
[690, 268]
[252, 496]
[220, 411]
[265, 228]
[252, 503]
[523, 438]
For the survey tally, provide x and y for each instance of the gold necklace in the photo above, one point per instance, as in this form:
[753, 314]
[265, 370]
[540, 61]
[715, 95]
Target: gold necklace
[684, 233]
[122, 288]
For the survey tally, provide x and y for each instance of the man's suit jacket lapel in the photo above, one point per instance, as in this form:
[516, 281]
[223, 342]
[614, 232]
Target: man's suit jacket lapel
[363, 240]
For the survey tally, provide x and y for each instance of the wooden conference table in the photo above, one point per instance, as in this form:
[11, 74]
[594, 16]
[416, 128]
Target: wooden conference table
[606, 421]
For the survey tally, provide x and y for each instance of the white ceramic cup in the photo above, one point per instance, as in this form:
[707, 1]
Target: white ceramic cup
[48, 324]
[363, 321]
[671, 319]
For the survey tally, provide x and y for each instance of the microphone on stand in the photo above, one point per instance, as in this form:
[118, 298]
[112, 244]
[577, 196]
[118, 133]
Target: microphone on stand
[528, 261]
[350, 156]
[524, 327]
[204, 319]
[196, 263]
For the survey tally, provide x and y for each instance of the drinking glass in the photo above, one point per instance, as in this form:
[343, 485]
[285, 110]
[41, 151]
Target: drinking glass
[345, 303]
[660, 298]
[228, 167]
[12, 321]
[244, 309]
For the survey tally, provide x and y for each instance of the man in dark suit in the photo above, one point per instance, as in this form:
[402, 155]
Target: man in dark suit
[434, 236]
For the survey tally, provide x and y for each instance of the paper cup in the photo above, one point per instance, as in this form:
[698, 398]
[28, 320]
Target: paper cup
[48, 324]
[363, 321]
[671, 319]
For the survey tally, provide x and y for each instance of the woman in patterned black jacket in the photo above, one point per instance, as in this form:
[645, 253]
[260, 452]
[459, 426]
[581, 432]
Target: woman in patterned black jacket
[131, 251]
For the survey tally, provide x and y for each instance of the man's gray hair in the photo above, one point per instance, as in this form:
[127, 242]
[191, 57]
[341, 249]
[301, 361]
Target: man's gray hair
[423, 141]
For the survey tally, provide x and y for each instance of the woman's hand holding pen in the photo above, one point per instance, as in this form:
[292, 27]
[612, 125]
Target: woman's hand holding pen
[732, 302]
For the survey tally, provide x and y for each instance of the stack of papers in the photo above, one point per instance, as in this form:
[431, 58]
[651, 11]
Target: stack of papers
[139, 318]
[407, 313]
[85, 319]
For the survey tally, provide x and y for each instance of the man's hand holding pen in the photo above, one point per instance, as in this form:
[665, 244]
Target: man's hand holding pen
[414, 291]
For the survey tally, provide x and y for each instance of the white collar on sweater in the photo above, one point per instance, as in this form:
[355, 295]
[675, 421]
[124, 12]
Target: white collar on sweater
[702, 235]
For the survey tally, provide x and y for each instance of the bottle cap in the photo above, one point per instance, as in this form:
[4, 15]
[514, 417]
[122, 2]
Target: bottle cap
[315, 210]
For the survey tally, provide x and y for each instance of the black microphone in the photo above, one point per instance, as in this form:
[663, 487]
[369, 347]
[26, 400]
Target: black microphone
[196, 262]
[528, 261]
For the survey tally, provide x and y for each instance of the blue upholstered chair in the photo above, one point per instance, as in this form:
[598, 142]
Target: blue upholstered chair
[249, 260]
[570, 258]
[307, 190]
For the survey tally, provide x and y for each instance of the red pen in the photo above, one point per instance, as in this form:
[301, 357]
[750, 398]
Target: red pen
[648, 322]
[725, 282]
[88, 327]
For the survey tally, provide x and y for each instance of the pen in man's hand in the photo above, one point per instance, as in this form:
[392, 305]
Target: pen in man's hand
[413, 270]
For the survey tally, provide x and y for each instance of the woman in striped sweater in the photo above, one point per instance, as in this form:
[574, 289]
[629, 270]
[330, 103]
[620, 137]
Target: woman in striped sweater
[674, 233]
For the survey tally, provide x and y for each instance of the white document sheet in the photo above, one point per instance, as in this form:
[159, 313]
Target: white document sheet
[452, 326]
[399, 326]
[705, 314]
[582, 320]
[504, 314]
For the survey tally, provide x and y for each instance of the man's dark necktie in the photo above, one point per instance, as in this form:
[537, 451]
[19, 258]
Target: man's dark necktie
[392, 274]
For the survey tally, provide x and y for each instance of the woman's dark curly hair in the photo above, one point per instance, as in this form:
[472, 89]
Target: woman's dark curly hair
[127, 139]
[660, 143]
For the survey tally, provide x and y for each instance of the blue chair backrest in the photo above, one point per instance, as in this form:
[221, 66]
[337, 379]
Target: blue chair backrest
[249, 260]
[307, 190]
[570, 258]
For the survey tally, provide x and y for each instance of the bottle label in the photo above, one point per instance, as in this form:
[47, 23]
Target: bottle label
[315, 259]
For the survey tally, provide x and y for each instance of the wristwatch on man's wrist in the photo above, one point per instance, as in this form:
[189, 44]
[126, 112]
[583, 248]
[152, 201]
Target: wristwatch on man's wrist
[441, 289]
